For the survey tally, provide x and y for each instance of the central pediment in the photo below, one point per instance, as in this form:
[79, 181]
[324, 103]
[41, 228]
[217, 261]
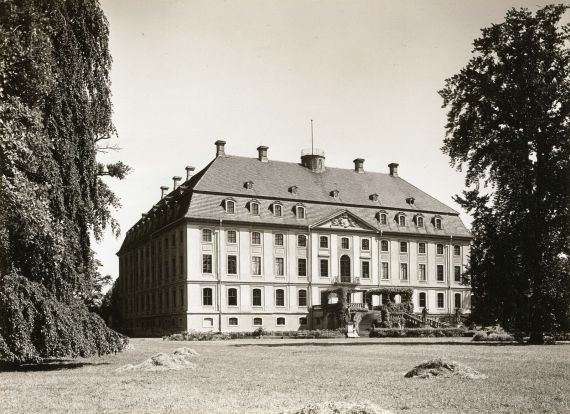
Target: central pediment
[343, 220]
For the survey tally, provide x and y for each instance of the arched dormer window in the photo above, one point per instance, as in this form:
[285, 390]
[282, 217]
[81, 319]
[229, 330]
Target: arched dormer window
[419, 220]
[300, 211]
[277, 209]
[401, 219]
[383, 217]
[437, 222]
[230, 205]
[254, 207]
[334, 193]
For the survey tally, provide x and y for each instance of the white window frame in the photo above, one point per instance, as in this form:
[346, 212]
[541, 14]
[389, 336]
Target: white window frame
[383, 218]
[437, 279]
[280, 324]
[420, 273]
[407, 273]
[387, 243]
[324, 238]
[204, 325]
[227, 264]
[362, 240]
[257, 324]
[456, 246]
[299, 297]
[386, 275]
[437, 223]
[260, 297]
[400, 217]
[277, 274]
[300, 212]
[228, 297]
[342, 239]
[260, 238]
[302, 237]
[419, 221]
[455, 295]
[253, 206]
[233, 317]
[204, 231]
[425, 248]
[284, 297]
[275, 206]
[328, 267]
[202, 295]
[437, 300]
[260, 265]
[227, 236]
[306, 266]
[407, 247]
[362, 261]
[227, 206]
[282, 239]
[437, 249]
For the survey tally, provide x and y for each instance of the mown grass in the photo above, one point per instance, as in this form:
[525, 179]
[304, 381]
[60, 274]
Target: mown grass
[268, 376]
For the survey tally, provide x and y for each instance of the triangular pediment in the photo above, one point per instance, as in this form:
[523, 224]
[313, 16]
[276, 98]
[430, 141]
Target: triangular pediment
[343, 220]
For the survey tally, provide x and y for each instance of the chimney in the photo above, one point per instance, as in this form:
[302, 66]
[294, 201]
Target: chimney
[359, 165]
[175, 181]
[163, 191]
[220, 148]
[393, 169]
[189, 170]
[262, 153]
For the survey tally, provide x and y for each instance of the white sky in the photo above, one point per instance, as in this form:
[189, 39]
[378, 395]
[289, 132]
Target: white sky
[186, 73]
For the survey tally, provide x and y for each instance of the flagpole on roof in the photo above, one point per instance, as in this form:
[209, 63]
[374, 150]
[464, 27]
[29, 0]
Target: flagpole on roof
[312, 150]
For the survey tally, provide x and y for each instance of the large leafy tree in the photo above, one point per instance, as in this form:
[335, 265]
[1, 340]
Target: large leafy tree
[508, 126]
[55, 113]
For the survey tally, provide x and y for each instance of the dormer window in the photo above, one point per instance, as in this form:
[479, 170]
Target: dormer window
[374, 197]
[437, 223]
[230, 206]
[334, 193]
[401, 219]
[254, 207]
[410, 200]
[382, 217]
[293, 189]
[277, 209]
[248, 185]
[419, 221]
[300, 212]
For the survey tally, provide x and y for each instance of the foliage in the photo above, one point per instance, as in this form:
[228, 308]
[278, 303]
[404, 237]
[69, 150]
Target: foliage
[55, 108]
[508, 124]
[192, 335]
[493, 337]
[418, 333]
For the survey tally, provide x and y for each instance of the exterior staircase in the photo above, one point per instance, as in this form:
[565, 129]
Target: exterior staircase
[366, 322]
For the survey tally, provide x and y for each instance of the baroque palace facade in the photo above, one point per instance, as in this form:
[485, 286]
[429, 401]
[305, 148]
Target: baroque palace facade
[250, 242]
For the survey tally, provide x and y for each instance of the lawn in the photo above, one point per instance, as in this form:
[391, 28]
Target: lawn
[274, 375]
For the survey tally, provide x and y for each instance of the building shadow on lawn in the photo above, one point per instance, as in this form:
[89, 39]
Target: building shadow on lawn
[51, 365]
[423, 343]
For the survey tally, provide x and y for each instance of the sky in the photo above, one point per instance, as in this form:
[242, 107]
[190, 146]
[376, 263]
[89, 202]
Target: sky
[186, 73]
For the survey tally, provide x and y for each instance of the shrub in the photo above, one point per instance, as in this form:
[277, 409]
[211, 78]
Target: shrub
[416, 333]
[492, 336]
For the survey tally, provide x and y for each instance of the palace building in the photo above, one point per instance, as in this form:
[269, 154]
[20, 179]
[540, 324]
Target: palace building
[249, 242]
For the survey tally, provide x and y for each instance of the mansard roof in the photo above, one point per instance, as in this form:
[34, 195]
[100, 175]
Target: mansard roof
[201, 198]
[226, 174]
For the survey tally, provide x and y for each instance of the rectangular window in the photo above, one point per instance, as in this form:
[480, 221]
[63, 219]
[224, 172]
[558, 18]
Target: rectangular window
[206, 263]
[277, 210]
[422, 300]
[439, 249]
[324, 242]
[404, 271]
[302, 297]
[440, 273]
[422, 272]
[344, 243]
[302, 267]
[208, 322]
[232, 297]
[232, 236]
[233, 321]
[365, 244]
[255, 209]
[421, 248]
[279, 266]
[457, 273]
[257, 321]
[457, 300]
[280, 321]
[385, 274]
[206, 296]
[256, 237]
[384, 245]
[279, 297]
[440, 300]
[278, 240]
[256, 297]
[301, 240]
[457, 250]
[365, 264]
[324, 270]
[256, 265]
[232, 264]
[403, 247]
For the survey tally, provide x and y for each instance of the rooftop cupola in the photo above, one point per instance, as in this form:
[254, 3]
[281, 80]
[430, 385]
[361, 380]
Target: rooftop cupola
[313, 159]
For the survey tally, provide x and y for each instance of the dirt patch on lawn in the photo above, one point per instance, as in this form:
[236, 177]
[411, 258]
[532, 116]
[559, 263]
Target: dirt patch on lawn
[339, 408]
[440, 367]
[181, 358]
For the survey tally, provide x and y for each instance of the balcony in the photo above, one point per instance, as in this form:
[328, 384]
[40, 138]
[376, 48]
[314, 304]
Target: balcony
[345, 280]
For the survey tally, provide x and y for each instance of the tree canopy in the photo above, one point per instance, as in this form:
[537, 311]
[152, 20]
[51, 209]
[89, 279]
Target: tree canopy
[508, 127]
[55, 109]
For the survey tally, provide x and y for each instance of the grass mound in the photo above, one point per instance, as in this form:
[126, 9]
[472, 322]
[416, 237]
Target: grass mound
[332, 407]
[440, 367]
[181, 358]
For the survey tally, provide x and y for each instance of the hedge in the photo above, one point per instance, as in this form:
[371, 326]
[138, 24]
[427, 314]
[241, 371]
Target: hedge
[419, 333]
